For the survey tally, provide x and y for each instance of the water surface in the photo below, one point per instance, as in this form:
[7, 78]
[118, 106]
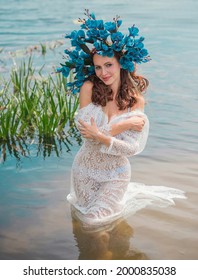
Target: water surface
[35, 220]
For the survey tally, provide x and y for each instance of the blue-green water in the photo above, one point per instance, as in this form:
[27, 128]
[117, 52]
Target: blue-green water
[35, 219]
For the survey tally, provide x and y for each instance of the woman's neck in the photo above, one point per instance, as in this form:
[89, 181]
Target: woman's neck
[115, 87]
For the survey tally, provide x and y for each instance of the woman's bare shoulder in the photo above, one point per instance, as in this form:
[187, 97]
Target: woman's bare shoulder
[140, 103]
[86, 94]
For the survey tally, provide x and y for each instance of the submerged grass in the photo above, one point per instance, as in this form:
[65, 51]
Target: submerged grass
[34, 105]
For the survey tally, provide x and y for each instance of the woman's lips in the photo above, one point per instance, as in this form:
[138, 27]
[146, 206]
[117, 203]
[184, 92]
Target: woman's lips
[106, 79]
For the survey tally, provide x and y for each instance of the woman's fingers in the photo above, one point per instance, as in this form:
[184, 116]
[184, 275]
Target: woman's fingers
[88, 130]
[138, 123]
[82, 123]
[92, 121]
[86, 125]
[84, 128]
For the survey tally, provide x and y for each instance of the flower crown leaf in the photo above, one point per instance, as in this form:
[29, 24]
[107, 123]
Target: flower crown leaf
[106, 40]
[85, 49]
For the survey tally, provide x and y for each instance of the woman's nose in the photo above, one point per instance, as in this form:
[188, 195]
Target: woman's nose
[103, 71]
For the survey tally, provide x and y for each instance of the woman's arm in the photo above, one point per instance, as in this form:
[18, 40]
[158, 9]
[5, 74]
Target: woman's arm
[133, 142]
[85, 94]
[91, 131]
[135, 123]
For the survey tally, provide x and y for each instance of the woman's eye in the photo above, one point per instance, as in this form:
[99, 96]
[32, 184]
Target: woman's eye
[97, 67]
[109, 65]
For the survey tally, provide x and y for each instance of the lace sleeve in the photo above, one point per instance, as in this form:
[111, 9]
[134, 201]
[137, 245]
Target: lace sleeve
[128, 143]
[85, 114]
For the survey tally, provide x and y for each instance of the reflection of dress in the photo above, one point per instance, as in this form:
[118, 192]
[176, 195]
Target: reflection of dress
[113, 242]
[100, 189]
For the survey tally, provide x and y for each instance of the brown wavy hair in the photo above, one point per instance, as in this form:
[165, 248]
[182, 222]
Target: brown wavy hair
[132, 86]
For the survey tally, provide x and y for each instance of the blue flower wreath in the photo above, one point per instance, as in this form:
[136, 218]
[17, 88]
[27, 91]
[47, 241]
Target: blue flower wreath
[105, 38]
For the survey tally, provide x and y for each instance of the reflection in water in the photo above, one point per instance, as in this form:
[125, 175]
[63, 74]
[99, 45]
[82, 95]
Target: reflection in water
[18, 147]
[111, 242]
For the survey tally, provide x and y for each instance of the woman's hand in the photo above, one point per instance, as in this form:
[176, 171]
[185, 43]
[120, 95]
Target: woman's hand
[89, 131]
[137, 123]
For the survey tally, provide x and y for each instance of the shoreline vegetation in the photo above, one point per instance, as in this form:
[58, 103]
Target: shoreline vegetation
[35, 107]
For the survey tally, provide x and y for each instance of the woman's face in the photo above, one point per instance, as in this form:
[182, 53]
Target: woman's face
[107, 69]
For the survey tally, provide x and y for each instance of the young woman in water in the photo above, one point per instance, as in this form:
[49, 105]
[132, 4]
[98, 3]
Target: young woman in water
[112, 122]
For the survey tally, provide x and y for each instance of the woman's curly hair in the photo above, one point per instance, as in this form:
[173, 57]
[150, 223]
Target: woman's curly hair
[132, 86]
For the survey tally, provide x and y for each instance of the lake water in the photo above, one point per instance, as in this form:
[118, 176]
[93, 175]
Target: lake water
[35, 219]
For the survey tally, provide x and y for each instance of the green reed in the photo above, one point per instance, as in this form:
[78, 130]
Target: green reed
[32, 103]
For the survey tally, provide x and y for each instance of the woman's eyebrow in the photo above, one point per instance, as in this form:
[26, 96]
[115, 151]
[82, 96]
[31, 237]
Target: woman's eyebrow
[104, 63]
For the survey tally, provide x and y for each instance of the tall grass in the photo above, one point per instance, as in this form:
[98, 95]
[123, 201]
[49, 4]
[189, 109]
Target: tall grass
[33, 104]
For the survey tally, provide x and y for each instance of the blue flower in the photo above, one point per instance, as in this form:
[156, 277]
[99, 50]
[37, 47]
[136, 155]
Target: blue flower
[70, 84]
[81, 34]
[80, 76]
[74, 55]
[77, 37]
[100, 46]
[83, 26]
[83, 55]
[72, 35]
[110, 26]
[78, 83]
[144, 52]
[129, 42]
[59, 69]
[104, 47]
[64, 70]
[133, 31]
[127, 64]
[93, 33]
[133, 55]
[72, 87]
[103, 34]
[100, 24]
[132, 52]
[93, 15]
[119, 22]
[108, 52]
[117, 46]
[138, 43]
[67, 51]
[79, 63]
[97, 45]
[118, 36]
[91, 23]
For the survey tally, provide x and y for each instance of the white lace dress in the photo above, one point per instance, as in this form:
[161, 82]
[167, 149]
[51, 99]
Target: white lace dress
[101, 190]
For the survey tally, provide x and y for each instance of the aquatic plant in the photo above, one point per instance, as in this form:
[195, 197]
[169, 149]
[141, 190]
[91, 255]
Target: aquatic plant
[34, 104]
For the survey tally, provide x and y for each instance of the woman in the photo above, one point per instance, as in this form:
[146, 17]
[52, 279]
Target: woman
[112, 123]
